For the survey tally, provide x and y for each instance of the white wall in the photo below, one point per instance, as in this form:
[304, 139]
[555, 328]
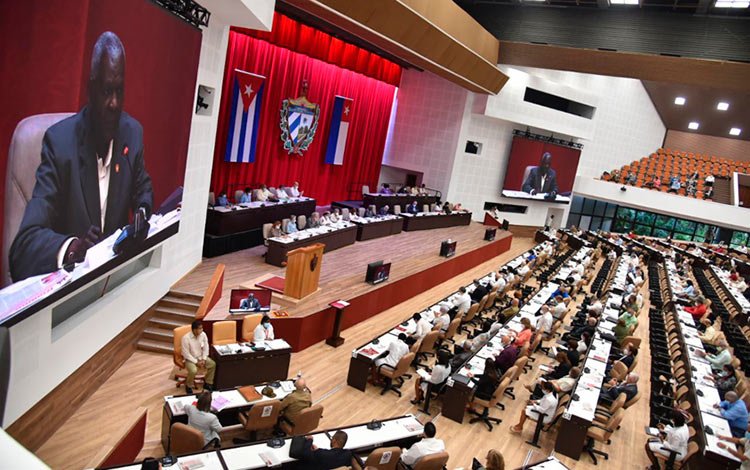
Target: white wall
[625, 127]
[41, 359]
[426, 127]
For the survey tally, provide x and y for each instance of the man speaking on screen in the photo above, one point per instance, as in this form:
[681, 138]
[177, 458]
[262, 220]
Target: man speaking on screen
[92, 174]
[541, 179]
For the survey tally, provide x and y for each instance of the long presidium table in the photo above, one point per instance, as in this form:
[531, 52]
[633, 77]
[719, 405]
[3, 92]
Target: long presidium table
[333, 236]
[402, 200]
[244, 217]
[376, 227]
[239, 364]
[401, 431]
[430, 220]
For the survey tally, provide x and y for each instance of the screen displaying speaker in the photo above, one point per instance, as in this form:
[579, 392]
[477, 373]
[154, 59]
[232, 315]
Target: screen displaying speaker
[378, 272]
[448, 248]
[489, 234]
[250, 300]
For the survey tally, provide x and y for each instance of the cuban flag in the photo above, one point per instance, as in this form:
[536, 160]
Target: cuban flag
[247, 94]
[342, 113]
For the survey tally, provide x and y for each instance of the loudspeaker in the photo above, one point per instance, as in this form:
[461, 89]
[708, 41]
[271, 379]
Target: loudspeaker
[204, 103]
[4, 368]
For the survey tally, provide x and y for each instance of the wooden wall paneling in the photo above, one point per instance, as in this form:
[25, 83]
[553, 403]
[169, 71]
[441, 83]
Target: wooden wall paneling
[707, 144]
[702, 72]
[213, 292]
[35, 426]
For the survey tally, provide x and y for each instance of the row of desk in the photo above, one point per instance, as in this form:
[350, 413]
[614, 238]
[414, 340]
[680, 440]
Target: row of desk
[223, 220]
[401, 431]
[364, 356]
[344, 233]
[241, 364]
[702, 394]
[392, 200]
[736, 297]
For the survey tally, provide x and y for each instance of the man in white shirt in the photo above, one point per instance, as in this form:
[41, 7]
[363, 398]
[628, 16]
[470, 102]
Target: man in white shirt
[195, 353]
[501, 282]
[396, 350]
[596, 307]
[264, 194]
[559, 308]
[544, 322]
[281, 192]
[443, 319]
[428, 445]
[523, 270]
[294, 190]
[462, 300]
[423, 327]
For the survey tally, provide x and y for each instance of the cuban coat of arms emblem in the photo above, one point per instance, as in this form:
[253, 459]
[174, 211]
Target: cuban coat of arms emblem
[299, 121]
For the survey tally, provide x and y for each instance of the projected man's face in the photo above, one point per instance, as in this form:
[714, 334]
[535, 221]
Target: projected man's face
[106, 96]
[546, 163]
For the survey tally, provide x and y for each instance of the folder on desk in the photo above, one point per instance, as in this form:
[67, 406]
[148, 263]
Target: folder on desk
[250, 393]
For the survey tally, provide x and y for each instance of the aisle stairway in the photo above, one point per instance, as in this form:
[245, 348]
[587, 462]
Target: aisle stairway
[722, 192]
[174, 309]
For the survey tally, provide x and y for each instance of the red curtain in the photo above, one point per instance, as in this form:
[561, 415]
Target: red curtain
[306, 40]
[284, 71]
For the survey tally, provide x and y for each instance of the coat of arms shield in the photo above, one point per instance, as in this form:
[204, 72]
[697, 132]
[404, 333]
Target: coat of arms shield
[299, 121]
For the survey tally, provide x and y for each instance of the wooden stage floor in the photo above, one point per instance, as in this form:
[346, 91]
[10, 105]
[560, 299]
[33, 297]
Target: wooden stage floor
[343, 271]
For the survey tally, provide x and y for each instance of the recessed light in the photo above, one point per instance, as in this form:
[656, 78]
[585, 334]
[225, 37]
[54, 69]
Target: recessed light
[693, 125]
[735, 131]
[722, 106]
[679, 101]
[732, 3]
[624, 2]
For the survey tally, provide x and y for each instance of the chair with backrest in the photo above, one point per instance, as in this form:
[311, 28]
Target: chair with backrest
[260, 417]
[238, 195]
[266, 232]
[562, 404]
[520, 364]
[633, 400]
[249, 323]
[451, 331]
[597, 432]
[390, 374]
[365, 189]
[345, 213]
[224, 332]
[305, 422]
[384, 458]
[361, 211]
[396, 209]
[426, 347]
[603, 413]
[673, 464]
[211, 198]
[24, 157]
[432, 462]
[487, 404]
[618, 371]
[301, 222]
[373, 208]
[425, 208]
[284, 223]
[181, 374]
[184, 439]
[469, 318]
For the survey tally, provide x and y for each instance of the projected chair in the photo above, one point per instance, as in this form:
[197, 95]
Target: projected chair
[24, 156]
[238, 195]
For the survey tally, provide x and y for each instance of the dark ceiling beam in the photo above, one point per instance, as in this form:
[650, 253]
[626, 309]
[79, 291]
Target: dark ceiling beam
[700, 72]
[602, 3]
[703, 6]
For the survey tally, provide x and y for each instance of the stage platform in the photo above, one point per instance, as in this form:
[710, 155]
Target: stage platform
[416, 267]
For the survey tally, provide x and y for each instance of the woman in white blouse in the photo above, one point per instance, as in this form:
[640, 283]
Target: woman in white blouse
[264, 330]
[671, 439]
[546, 406]
[440, 373]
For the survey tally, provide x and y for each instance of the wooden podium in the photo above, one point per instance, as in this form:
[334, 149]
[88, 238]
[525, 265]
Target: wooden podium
[303, 271]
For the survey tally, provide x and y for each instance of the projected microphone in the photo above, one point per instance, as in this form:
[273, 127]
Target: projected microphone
[134, 234]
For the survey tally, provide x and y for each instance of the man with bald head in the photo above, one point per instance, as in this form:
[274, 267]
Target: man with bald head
[541, 179]
[735, 412]
[294, 403]
[91, 177]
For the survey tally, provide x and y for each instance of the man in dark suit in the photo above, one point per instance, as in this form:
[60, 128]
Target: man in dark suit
[413, 208]
[541, 179]
[325, 459]
[507, 357]
[250, 303]
[92, 174]
[629, 387]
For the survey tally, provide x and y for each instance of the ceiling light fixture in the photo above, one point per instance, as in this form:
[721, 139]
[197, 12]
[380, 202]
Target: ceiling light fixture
[732, 3]
[624, 2]
[679, 101]
[722, 106]
[693, 125]
[735, 131]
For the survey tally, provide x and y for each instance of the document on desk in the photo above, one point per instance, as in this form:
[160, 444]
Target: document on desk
[208, 461]
[22, 294]
[269, 458]
[277, 344]
[287, 386]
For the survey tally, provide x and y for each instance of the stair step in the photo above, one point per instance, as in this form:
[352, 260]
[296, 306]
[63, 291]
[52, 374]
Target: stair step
[175, 314]
[185, 295]
[155, 346]
[158, 334]
[179, 302]
[165, 323]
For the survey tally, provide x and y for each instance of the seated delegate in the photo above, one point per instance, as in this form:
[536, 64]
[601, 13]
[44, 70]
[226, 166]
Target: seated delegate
[201, 418]
[264, 330]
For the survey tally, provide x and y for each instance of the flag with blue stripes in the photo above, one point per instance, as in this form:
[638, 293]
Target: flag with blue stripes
[244, 117]
[342, 112]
